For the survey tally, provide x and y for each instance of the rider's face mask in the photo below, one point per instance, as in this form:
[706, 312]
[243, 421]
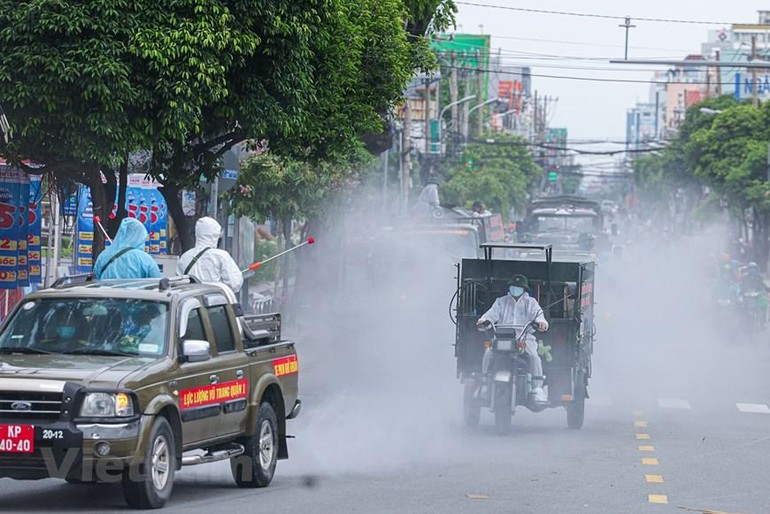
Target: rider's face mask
[516, 291]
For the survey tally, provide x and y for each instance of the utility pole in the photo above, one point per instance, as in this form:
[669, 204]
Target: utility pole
[627, 25]
[535, 117]
[468, 78]
[480, 98]
[385, 159]
[708, 82]
[406, 148]
[719, 77]
[453, 96]
[427, 115]
[754, 88]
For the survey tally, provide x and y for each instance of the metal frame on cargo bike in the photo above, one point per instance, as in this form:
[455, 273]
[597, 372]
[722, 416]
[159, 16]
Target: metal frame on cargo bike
[563, 289]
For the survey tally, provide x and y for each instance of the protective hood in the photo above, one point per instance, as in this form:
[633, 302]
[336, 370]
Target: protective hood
[130, 234]
[207, 232]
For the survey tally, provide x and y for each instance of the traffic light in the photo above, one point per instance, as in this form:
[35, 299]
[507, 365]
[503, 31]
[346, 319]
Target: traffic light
[553, 174]
[469, 163]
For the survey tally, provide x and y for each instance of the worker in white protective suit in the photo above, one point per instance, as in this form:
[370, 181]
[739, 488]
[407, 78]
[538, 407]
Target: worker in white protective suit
[518, 308]
[206, 262]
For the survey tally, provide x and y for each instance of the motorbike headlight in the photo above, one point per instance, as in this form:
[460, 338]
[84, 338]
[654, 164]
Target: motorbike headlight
[107, 405]
[505, 345]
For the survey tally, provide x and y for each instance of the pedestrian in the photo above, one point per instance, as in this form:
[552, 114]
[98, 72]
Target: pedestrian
[479, 211]
[125, 257]
[206, 262]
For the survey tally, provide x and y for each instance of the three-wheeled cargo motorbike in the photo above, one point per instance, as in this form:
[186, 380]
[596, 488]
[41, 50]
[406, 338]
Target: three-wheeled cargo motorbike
[493, 365]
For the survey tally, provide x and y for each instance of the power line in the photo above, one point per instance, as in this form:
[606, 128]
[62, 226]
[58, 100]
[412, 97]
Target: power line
[473, 49]
[592, 15]
[585, 43]
[588, 79]
[546, 146]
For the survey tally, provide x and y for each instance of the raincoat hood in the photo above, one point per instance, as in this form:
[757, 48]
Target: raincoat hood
[130, 234]
[207, 232]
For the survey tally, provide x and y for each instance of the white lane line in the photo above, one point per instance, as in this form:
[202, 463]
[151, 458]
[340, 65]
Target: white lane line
[673, 403]
[757, 408]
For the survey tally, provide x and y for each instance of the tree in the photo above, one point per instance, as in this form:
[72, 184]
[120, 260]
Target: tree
[324, 74]
[499, 175]
[87, 83]
[726, 150]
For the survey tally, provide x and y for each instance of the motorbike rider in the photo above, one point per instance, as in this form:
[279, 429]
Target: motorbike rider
[206, 262]
[752, 280]
[125, 257]
[518, 308]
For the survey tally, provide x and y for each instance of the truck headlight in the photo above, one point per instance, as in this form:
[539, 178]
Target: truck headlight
[505, 345]
[107, 405]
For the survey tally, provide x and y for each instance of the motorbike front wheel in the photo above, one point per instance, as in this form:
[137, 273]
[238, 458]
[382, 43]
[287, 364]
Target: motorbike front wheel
[503, 405]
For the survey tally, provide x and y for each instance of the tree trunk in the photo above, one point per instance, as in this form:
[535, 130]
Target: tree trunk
[286, 227]
[183, 227]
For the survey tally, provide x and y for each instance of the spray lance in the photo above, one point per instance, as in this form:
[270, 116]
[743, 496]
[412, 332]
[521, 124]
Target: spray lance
[98, 221]
[253, 267]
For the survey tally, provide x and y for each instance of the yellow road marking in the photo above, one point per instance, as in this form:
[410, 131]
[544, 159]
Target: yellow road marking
[646, 448]
[640, 424]
[653, 479]
[650, 462]
[657, 498]
[477, 496]
[642, 437]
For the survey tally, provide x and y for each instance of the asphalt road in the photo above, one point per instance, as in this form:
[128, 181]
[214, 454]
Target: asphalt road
[679, 419]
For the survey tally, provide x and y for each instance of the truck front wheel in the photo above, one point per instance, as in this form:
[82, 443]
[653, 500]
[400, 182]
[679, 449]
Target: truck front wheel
[149, 486]
[256, 466]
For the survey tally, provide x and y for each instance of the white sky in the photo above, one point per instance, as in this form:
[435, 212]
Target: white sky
[598, 109]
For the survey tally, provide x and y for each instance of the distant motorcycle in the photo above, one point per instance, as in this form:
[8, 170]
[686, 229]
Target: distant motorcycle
[754, 306]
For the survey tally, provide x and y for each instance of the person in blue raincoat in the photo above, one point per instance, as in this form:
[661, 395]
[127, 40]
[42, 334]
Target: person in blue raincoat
[125, 257]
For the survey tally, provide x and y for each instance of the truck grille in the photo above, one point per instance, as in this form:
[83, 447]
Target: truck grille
[30, 405]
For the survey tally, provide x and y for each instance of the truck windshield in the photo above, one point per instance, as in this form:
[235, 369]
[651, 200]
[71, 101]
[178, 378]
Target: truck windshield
[564, 223]
[110, 326]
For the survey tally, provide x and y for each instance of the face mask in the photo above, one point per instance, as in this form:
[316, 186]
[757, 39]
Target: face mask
[66, 332]
[516, 291]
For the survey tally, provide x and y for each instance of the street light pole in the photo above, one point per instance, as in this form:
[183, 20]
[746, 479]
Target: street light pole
[482, 104]
[447, 107]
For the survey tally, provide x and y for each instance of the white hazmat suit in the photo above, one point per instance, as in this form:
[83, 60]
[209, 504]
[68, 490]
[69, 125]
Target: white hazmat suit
[212, 265]
[507, 310]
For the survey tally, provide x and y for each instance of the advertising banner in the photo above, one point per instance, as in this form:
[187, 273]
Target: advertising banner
[22, 276]
[85, 231]
[34, 218]
[10, 185]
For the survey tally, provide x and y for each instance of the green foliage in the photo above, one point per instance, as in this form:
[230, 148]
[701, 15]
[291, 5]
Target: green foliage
[85, 84]
[725, 149]
[282, 188]
[426, 18]
[262, 250]
[501, 175]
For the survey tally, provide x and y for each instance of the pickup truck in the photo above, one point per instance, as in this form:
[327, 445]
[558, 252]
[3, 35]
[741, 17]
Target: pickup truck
[129, 380]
